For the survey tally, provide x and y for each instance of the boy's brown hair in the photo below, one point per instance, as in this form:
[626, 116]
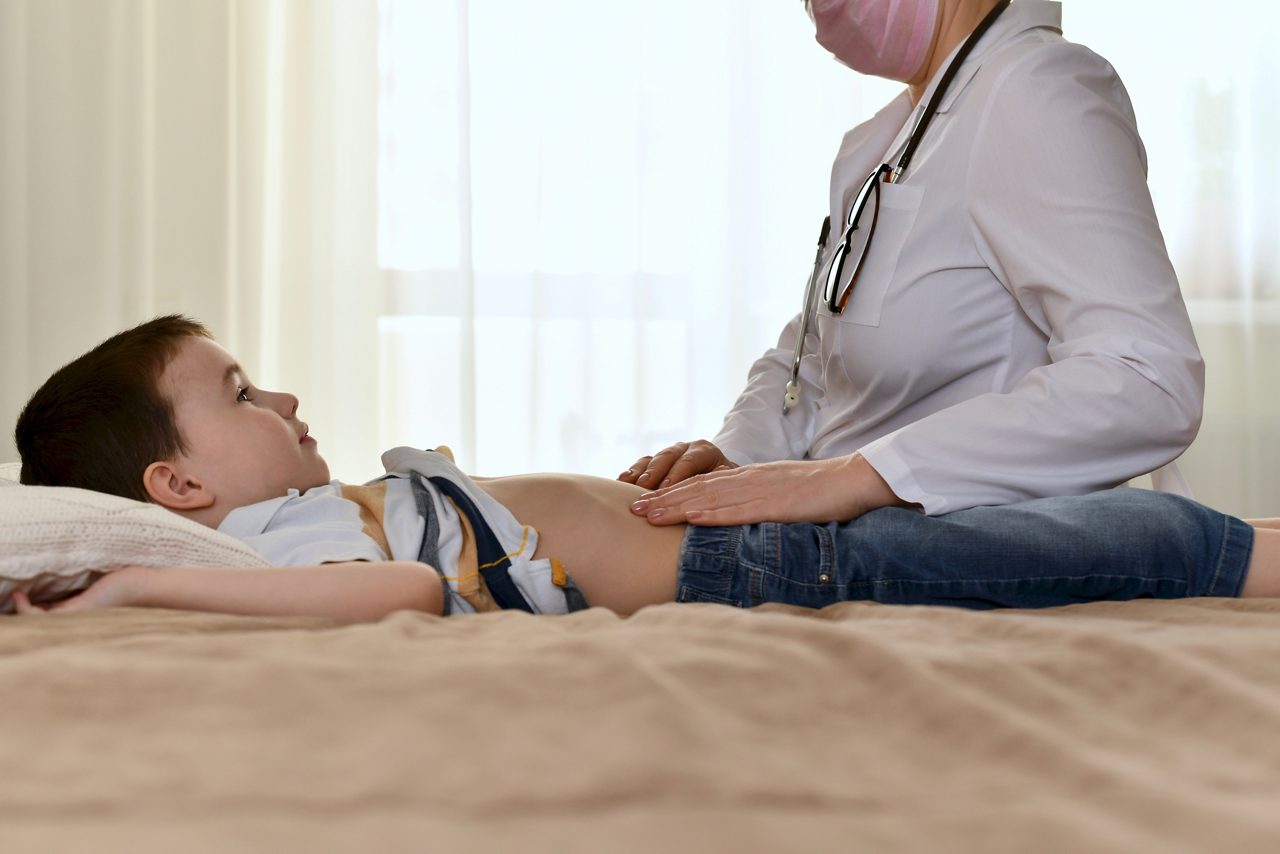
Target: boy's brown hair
[101, 419]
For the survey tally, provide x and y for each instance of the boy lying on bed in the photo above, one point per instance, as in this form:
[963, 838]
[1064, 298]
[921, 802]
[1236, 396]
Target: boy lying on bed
[162, 413]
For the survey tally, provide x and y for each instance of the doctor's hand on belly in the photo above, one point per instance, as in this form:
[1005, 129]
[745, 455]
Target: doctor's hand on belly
[676, 463]
[834, 490]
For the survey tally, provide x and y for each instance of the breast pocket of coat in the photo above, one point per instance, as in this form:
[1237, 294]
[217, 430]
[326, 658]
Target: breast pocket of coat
[894, 221]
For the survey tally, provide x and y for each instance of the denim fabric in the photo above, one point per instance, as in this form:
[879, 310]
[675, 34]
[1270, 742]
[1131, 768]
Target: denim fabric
[1119, 544]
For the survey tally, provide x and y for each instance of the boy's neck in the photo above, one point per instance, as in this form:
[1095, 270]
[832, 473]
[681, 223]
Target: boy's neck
[211, 516]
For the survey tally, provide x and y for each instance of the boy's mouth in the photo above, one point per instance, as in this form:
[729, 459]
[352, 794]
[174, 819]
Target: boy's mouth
[306, 436]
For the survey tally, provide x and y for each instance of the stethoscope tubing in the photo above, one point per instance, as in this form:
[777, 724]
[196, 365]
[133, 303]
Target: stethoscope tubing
[792, 396]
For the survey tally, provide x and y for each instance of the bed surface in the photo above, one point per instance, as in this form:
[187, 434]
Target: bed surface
[1141, 726]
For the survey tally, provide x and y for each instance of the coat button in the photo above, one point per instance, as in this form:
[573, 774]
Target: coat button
[824, 578]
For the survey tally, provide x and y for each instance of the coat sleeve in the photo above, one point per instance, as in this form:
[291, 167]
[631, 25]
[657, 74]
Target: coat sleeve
[755, 430]
[1060, 211]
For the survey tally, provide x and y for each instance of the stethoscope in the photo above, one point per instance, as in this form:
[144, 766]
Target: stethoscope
[891, 176]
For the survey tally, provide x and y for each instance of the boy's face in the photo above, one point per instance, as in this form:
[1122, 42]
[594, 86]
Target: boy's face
[244, 444]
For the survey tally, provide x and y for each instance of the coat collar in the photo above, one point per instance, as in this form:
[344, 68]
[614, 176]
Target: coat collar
[1021, 16]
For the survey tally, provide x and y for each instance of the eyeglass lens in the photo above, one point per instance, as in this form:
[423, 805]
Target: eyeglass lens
[842, 275]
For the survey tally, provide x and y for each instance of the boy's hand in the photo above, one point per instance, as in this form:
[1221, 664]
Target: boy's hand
[113, 590]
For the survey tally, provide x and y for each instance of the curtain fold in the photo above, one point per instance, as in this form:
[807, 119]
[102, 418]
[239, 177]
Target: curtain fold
[208, 157]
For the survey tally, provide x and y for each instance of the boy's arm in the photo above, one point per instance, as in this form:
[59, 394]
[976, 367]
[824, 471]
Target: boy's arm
[360, 591]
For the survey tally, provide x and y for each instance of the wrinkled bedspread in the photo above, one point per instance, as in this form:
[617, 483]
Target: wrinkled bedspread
[1142, 726]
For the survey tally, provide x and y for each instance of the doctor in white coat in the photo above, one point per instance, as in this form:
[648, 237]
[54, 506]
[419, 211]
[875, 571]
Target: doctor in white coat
[995, 317]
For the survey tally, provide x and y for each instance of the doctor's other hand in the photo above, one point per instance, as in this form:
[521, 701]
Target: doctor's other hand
[675, 463]
[835, 490]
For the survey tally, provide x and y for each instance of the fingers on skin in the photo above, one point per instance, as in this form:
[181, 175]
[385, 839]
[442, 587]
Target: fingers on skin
[632, 474]
[671, 505]
[696, 458]
[712, 509]
[713, 500]
[731, 495]
[691, 494]
[745, 513]
[714, 518]
[691, 463]
[660, 464]
[676, 463]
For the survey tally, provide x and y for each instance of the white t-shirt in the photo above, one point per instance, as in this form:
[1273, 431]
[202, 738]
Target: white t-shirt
[380, 521]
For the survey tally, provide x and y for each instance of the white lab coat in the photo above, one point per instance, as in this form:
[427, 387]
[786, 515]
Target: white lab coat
[1017, 330]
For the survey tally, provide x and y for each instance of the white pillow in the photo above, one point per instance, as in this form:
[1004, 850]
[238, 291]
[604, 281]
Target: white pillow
[55, 540]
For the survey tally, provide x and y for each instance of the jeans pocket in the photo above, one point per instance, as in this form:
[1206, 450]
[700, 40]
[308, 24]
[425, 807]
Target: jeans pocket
[803, 570]
[693, 594]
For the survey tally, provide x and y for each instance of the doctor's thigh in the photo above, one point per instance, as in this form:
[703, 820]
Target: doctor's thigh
[1117, 544]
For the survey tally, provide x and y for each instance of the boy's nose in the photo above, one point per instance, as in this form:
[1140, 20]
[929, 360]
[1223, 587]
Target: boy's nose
[282, 402]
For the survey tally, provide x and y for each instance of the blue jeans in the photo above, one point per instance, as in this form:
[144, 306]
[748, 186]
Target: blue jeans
[1118, 544]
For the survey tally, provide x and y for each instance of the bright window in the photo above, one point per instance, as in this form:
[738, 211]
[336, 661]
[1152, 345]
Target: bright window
[596, 215]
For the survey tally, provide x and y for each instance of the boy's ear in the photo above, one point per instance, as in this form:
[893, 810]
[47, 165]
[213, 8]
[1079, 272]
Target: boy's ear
[170, 487]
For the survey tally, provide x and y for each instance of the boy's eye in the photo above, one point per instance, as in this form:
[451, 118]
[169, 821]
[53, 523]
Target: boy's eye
[242, 395]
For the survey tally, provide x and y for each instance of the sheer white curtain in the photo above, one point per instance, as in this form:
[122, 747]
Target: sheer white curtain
[597, 227]
[1205, 83]
[210, 157]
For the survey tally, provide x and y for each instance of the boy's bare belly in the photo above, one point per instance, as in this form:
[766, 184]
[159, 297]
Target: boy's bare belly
[618, 559]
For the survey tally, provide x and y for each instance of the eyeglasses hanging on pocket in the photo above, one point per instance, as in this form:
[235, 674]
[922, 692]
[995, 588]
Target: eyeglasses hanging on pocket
[850, 252]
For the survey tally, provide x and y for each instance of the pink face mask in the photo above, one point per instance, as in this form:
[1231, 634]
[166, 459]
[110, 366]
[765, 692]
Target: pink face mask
[887, 38]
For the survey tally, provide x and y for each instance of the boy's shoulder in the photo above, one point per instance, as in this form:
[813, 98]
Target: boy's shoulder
[316, 505]
[320, 525]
